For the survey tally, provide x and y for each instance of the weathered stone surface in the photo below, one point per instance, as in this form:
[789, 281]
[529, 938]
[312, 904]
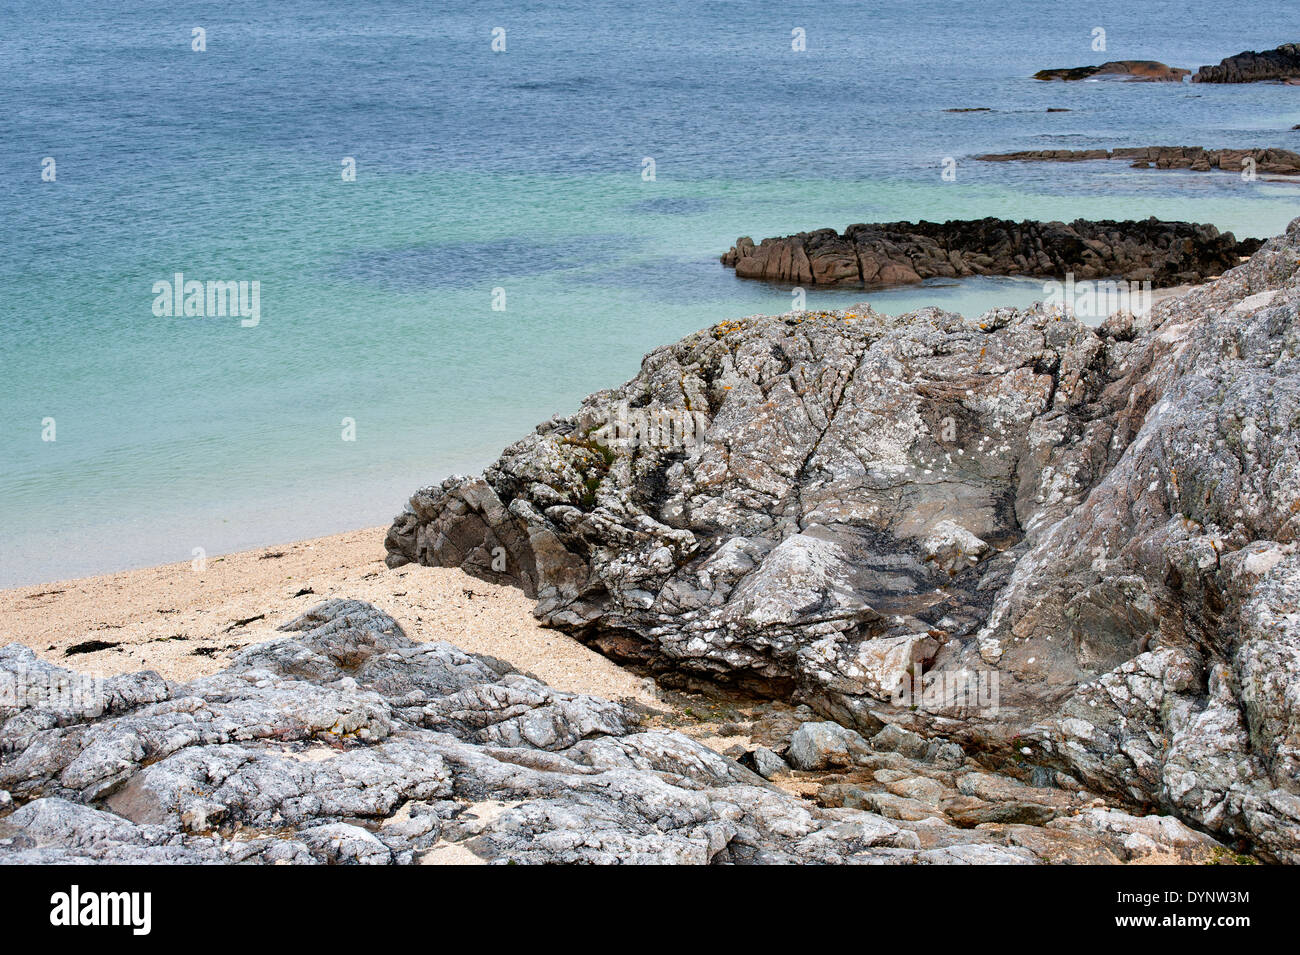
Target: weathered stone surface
[1134, 488]
[902, 253]
[346, 742]
[1140, 836]
[1277, 65]
[895, 739]
[1136, 71]
[1282, 162]
[767, 764]
[824, 746]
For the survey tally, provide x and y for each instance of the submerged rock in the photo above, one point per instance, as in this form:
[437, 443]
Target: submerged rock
[1282, 162]
[1071, 550]
[902, 253]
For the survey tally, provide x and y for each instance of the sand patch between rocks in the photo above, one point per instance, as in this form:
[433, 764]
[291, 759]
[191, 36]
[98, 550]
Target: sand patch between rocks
[187, 623]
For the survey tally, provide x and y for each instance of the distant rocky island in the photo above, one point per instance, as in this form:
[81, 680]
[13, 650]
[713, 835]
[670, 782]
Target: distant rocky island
[1280, 65]
[1139, 71]
[1281, 162]
[881, 254]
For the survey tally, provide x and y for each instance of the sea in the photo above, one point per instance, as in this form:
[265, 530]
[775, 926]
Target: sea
[450, 221]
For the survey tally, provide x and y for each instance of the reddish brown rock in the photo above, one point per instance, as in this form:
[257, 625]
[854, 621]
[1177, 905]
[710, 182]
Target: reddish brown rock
[1137, 71]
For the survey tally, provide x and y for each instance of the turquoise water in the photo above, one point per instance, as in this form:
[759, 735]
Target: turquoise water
[478, 171]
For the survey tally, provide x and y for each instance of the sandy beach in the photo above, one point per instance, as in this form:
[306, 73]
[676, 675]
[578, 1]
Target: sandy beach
[185, 622]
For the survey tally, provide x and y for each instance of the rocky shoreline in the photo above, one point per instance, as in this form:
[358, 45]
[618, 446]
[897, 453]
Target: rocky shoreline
[1095, 526]
[344, 741]
[1281, 162]
[900, 253]
[1004, 591]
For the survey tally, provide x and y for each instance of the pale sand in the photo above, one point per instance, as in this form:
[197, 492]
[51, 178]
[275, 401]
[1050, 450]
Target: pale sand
[1176, 291]
[161, 615]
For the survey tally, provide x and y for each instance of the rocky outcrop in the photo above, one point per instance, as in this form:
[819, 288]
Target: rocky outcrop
[1278, 65]
[1070, 550]
[901, 253]
[1282, 162]
[1136, 71]
[347, 742]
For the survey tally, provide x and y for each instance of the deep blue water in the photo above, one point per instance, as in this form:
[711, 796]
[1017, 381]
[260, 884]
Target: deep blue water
[479, 170]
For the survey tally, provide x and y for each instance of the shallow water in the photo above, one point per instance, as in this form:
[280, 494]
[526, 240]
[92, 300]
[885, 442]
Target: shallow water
[478, 171]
